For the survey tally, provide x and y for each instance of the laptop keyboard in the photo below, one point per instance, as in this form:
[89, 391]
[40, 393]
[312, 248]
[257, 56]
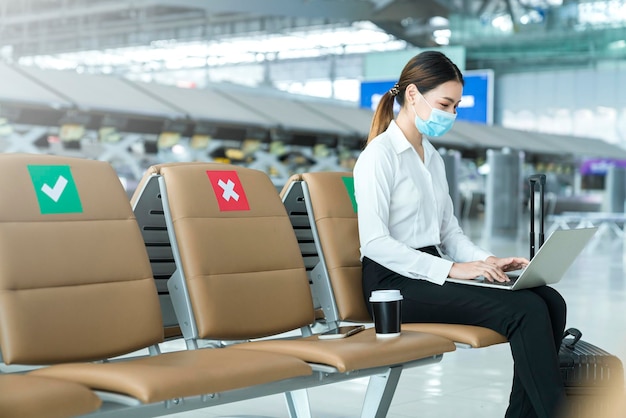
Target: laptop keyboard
[505, 284]
[512, 279]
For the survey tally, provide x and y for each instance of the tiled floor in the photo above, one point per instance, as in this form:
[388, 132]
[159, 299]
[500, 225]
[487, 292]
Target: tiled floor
[476, 383]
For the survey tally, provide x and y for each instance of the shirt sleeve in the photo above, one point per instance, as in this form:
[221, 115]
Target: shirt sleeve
[373, 184]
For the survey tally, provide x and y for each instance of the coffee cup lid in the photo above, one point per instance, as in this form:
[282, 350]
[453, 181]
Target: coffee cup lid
[385, 296]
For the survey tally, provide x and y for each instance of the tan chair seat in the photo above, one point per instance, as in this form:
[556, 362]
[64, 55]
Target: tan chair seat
[466, 334]
[183, 373]
[34, 397]
[360, 351]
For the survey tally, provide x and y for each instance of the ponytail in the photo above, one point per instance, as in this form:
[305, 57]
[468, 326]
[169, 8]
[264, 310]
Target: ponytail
[382, 116]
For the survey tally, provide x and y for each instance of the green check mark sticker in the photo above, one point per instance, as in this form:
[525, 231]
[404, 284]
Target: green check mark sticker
[349, 183]
[55, 188]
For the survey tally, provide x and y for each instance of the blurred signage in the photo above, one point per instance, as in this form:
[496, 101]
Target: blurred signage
[476, 104]
[71, 132]
[168, 139]
[372, 91]
[200, 141]
[600, 166]
[108, 134]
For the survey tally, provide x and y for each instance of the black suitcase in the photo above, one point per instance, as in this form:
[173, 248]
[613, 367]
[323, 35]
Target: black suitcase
[587, 369]
[593, 379]
[589, 372]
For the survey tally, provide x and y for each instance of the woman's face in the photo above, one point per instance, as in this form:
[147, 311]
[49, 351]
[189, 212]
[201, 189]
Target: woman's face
[446, 97]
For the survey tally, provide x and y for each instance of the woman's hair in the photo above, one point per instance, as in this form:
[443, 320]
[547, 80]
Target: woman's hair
[426, 70]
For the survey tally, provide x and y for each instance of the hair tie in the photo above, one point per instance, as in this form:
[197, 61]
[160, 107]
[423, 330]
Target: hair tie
[394, 90]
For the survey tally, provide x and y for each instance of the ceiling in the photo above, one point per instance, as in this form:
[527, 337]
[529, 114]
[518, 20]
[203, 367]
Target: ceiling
[543, 32]
[45, 26]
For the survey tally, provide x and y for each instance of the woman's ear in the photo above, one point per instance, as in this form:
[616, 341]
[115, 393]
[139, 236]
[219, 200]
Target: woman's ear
[411, 93]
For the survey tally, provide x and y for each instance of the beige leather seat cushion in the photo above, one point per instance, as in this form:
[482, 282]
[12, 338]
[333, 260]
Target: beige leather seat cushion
[183, 373]
[35, 397]
[360, 351]
[467, 334]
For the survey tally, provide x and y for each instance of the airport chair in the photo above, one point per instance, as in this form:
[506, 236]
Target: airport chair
[76, 291]
[240, 281]
[322, 210]
[35, 397]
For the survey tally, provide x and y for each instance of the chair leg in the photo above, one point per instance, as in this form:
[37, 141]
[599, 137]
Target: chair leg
[380, 391]
[298, 404]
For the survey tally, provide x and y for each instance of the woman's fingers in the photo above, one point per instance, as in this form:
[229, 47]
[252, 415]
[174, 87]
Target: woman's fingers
[510, 263]
[494, 273]
[472, 270]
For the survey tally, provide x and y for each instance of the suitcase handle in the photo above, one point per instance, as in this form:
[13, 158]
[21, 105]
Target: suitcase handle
[533, 179]
[574, 332]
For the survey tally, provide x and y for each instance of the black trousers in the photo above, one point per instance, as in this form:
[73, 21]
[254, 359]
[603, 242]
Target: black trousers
[533, 320]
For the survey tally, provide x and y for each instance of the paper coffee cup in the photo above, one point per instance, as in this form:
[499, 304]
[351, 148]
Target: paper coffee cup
[386, 306]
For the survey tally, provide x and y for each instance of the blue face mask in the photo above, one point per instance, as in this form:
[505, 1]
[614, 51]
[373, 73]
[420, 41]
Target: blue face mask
[438, 123]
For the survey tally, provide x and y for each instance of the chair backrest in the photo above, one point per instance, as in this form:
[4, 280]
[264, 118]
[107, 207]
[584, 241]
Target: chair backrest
[332, 213]
[72, 264]
[238, 266]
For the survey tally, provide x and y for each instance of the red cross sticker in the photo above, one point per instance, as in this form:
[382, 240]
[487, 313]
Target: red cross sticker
[228, 190]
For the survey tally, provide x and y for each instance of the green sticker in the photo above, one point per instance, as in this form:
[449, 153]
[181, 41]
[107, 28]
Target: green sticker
[55, 188]
[349, 183]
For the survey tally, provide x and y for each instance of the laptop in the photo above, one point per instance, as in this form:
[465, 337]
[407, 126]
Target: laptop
[547, 266]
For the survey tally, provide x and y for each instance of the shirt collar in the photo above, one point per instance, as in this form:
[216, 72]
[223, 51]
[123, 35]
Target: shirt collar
[397, 138]
[401, 144]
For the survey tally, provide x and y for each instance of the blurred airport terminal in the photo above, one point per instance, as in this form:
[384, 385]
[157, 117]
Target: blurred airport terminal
[289, 87]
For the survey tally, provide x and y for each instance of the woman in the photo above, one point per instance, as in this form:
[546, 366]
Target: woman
[405, 213]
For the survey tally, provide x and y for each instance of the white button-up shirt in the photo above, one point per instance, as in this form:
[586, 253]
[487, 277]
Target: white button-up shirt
[404, 204]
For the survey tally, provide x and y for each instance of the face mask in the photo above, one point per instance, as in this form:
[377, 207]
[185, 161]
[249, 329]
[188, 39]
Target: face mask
[437, 124]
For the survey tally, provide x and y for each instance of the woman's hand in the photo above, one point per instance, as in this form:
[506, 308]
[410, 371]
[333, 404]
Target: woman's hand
[490, 270]
[508, 263]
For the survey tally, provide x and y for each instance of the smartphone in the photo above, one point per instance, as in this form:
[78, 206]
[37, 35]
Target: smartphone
[341, 332]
